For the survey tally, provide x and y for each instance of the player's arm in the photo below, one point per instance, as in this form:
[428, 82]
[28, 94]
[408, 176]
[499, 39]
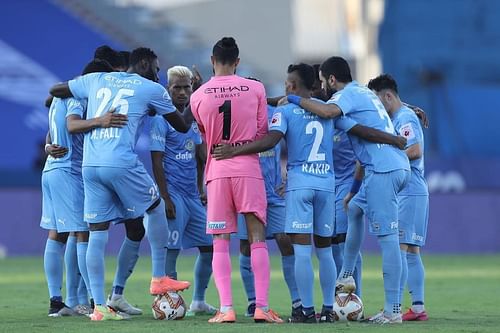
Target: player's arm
[54, 150]
[161, 181]
[201, 157]
[76, 124]
[414, 152]
[377, 136]
[61, 90]
[177, 121]
[359, 174]
[273, 101]
[319, 108]
[225, 151]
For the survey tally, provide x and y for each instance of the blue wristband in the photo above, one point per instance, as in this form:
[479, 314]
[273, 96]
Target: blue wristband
[294, 99]
[356, 184]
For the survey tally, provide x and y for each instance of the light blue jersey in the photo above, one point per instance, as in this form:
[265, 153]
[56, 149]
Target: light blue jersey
[271, 169]
[310, 148]
[344, 159]
[363, 106]
[129, 94]
[407, 124]
[59, 110]
[179, 158]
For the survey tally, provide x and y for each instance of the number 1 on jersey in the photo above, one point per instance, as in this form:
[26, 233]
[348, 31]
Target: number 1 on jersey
[225, 109]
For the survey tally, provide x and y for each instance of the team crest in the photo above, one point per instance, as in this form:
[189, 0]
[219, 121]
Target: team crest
[189, 145]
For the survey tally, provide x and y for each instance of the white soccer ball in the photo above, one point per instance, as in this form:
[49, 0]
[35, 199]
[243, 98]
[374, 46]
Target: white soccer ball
[347, 307]
[169, 306]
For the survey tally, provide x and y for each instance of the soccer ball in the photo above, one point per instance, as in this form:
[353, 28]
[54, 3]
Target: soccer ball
[169, 306]
[347, 307]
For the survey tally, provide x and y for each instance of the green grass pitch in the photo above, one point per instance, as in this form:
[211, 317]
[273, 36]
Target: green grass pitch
[462, 295]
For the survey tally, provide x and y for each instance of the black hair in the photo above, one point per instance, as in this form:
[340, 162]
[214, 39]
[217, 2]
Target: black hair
[305, 73]
[384, 81]
[141, 53]
[226, 51]
[124, 58]
[97, 66]
[106, 53]
[253, 79]
[338, 67]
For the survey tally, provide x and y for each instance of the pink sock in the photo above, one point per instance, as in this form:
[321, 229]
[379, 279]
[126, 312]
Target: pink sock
[259, 257]
[221, 265]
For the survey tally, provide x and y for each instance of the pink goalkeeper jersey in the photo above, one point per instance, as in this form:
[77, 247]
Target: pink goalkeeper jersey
[231, 109]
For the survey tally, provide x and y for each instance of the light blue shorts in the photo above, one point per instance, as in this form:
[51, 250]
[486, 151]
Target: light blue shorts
[62, 201]
[309, 212]
[413, 219]
[378, 198]
[188, 229]
[340, 214]
[275, 223]
[114, 194]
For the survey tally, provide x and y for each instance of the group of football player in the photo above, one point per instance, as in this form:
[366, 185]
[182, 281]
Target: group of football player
[353, 153]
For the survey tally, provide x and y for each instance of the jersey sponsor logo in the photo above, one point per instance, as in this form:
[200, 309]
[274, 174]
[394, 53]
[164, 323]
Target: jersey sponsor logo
[90, 216]
[187, 156]
[226, 89]
[298, 225]
[298, 111]
[416, 237]
[316, 168]
[276, 120]
[122, 82]
[159, 138]
[216, 225]
[407, 131]
[61, 221]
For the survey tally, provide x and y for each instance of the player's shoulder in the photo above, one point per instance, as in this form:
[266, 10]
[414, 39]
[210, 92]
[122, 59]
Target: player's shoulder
[252, 84]
[406, 114]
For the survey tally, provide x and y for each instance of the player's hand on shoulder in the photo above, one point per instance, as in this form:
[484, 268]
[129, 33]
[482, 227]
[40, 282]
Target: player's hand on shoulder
[347, 199]
[421, 115]
[56, 151]
[113, 119]
[222, 151]
[400, 142]
[283, 101]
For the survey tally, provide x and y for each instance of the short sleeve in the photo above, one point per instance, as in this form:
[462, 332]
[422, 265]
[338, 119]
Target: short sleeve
[158, 134]
[410, 129]
[343, 100]
[279, 120]
[344, 123]
[197, 135]
[74, 107]
[160, 100]
[81, 85]
[194, 103]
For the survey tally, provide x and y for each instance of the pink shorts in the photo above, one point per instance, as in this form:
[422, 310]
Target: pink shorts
[229, 196]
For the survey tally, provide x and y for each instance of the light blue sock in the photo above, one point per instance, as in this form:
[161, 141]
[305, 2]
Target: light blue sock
[127, 258]
[304, 274]
[202, 274]
[327, 274]
[416, 278]
[155, 223]
[53, 266]
[358, 270]
[247, 277]
[95, 264]
[72, 272]
[288, 266]
[84, 285]
[338, 255]
[171, 263]
[391, 268]
[83, 295]
[404, 275]
[354, 238]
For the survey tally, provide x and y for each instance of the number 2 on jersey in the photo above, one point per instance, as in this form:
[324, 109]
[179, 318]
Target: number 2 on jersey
[315, 155]
[225, 109]
[105, 94]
